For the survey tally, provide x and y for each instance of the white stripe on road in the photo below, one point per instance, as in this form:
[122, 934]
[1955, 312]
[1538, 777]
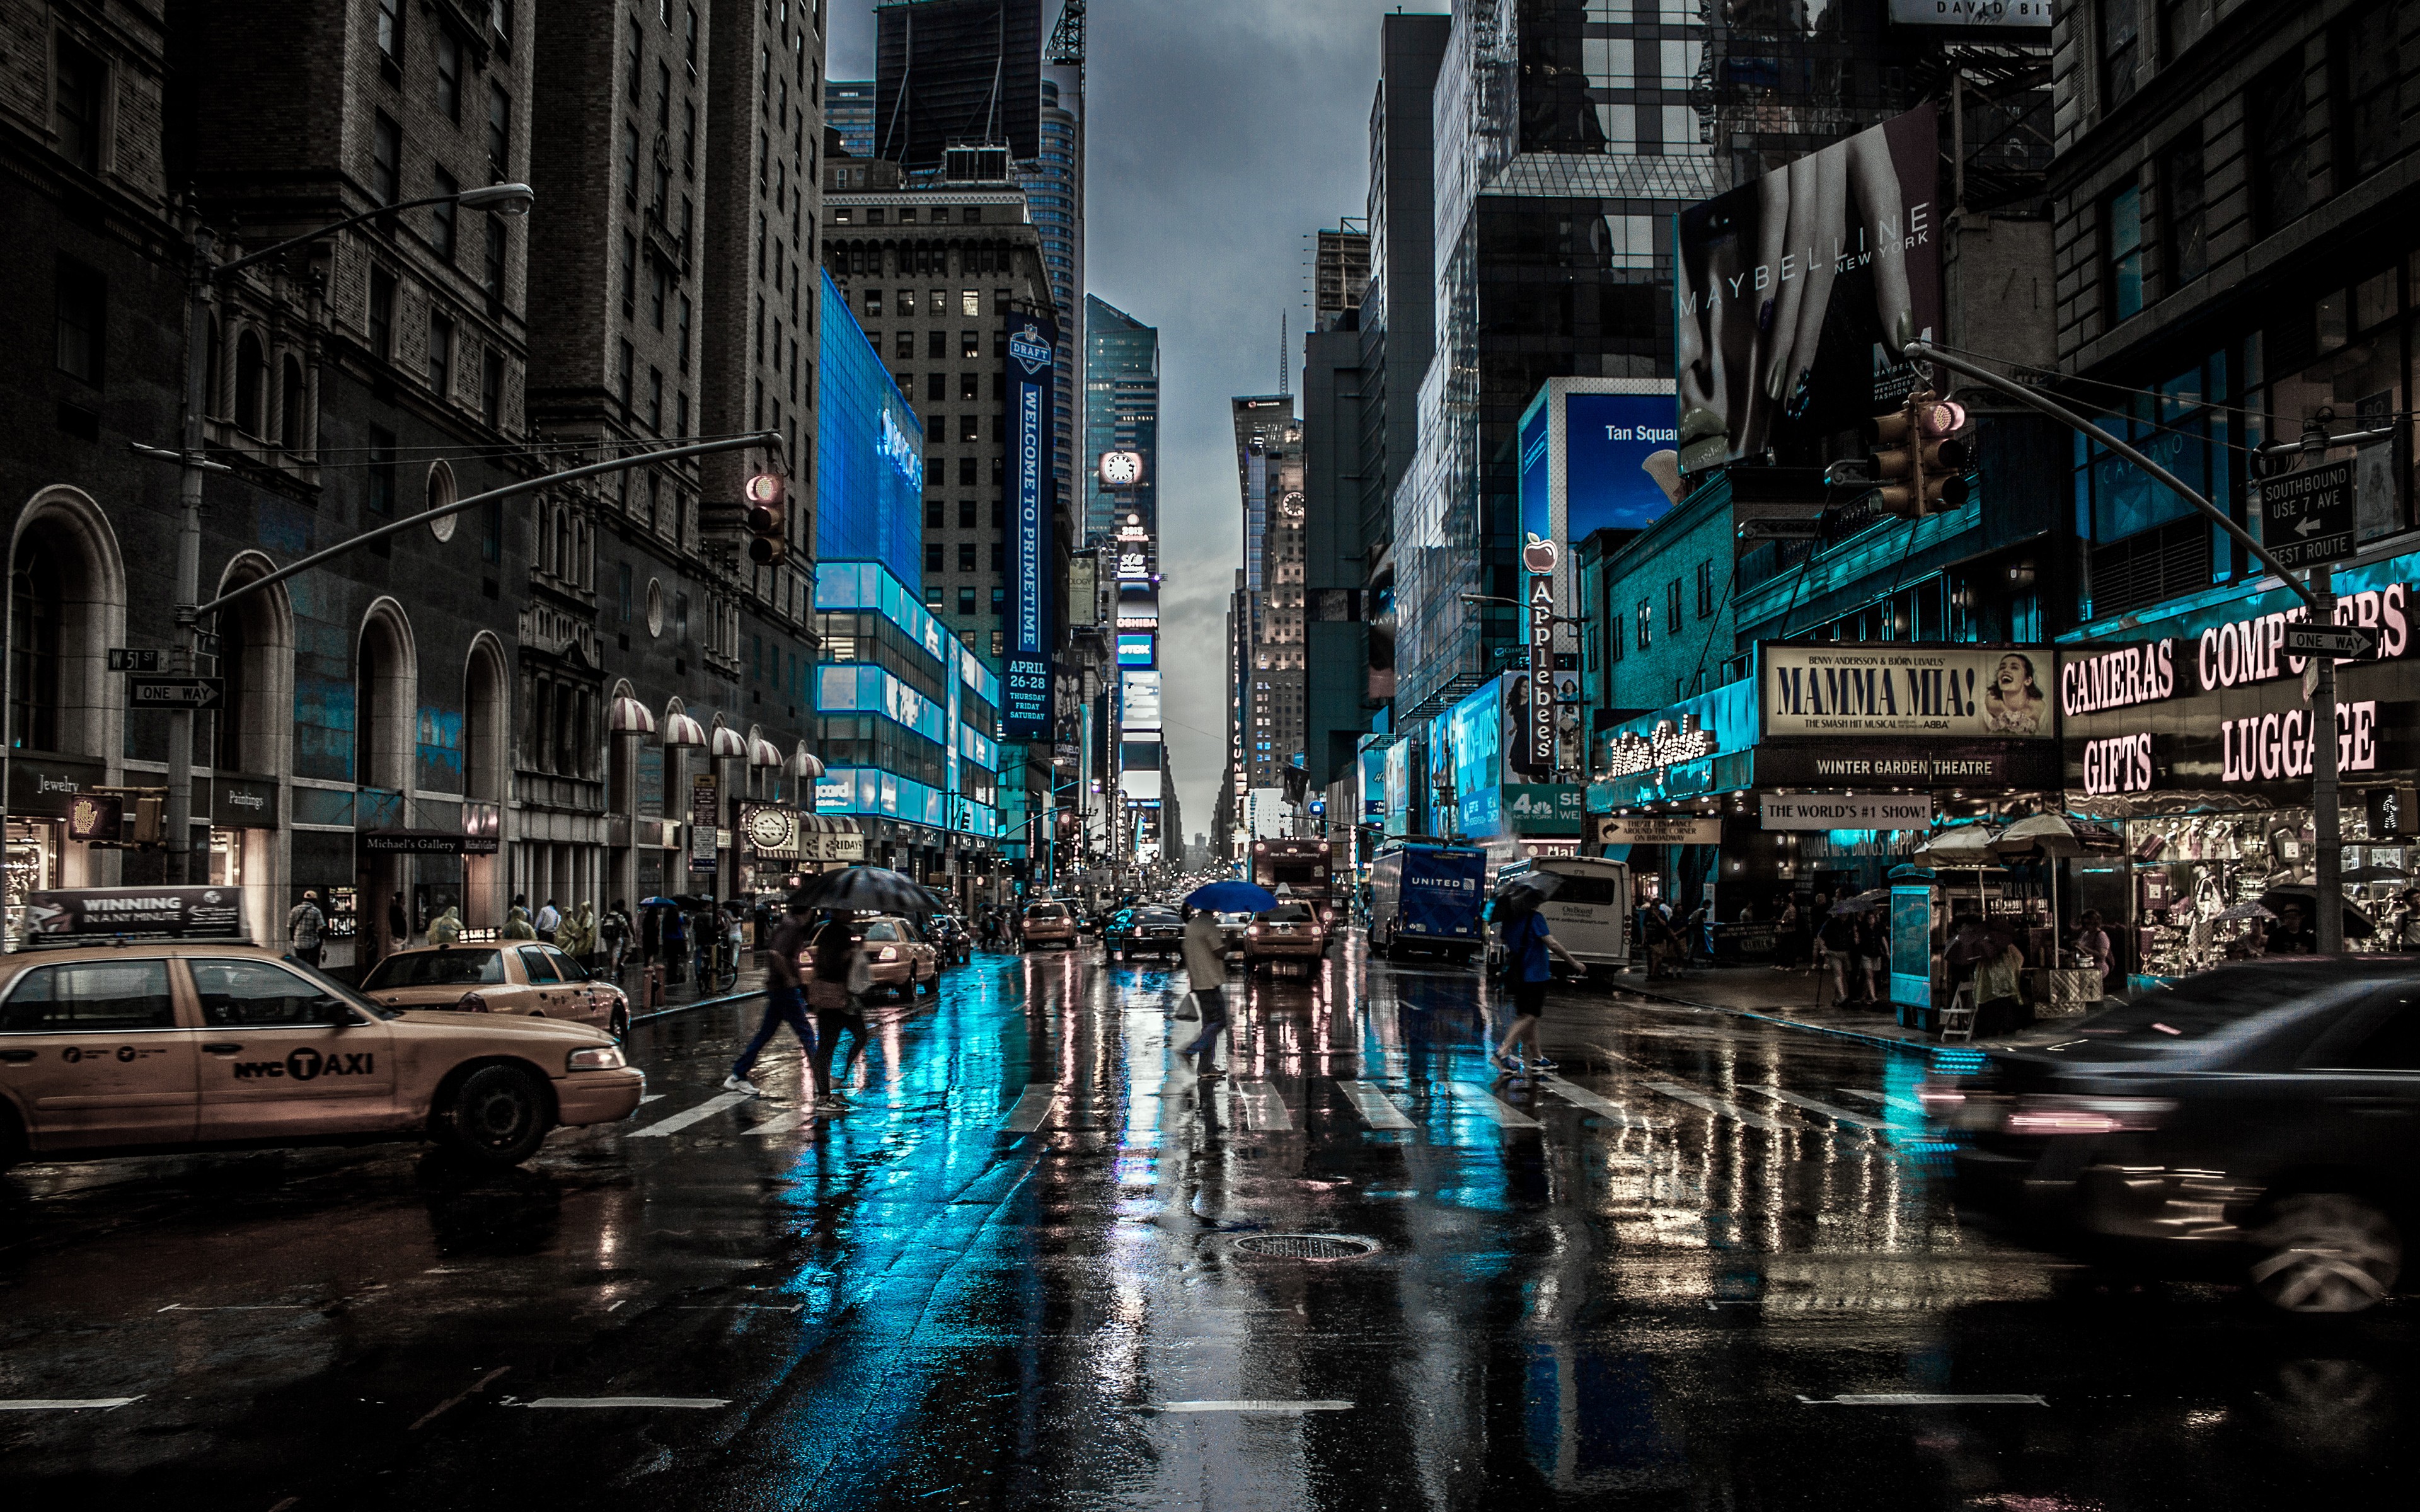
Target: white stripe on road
[1864, 1094]
[1032, 1108]
[678, 1121]
[625, 1401]
[1472, 1095]
[1919, 1398]
[1376, 1109]
[1265, 1112]
[1604, 1107]
[651, 1097]
[1856, 1120]
[780, 1124]
[1255, 1404]
[63, 1404]
[1722, 1110]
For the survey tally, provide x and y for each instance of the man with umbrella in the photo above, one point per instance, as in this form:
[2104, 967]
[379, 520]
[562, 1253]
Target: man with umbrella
[784, 998]
[1529, 966]
[1205, 961]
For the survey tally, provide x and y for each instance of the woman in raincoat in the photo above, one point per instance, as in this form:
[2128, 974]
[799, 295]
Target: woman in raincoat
[446, 928]
[517, 925]
[577, 935]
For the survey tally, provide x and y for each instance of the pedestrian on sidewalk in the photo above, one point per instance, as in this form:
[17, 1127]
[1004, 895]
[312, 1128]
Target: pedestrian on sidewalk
[516, 919]
[1529, 966]
[550, 918]
[836, 991]
[784, 999]
[1840, 937]
[303, 924]
[1205, 974]
[614, 930]
[2000, 1006]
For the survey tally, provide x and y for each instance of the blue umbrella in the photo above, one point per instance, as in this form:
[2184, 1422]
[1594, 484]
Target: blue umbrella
[1231, 898]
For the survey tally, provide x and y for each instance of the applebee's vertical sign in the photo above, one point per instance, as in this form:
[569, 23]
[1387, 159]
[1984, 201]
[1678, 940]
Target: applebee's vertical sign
[1026, 689]
[1538, 559]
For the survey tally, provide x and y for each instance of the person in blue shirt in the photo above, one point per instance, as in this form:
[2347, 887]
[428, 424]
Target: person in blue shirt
[1529, 966]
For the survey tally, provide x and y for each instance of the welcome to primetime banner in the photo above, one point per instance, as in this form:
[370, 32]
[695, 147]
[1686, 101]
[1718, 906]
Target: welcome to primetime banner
[1025, 680]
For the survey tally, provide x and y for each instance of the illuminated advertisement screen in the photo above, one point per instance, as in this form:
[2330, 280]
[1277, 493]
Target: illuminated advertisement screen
[1606, 437]
[1025, 713]
[1135, 649]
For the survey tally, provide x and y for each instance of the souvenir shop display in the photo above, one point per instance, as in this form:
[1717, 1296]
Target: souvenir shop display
[2197, 881]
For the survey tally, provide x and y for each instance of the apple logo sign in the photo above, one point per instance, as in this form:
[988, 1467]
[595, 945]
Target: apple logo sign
[1540, 555]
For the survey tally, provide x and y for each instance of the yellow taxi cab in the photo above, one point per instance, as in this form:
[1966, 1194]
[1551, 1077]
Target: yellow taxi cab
[522, 977]
[898, 955]
[140, 1020]
[1291, 932]
[1047, 923]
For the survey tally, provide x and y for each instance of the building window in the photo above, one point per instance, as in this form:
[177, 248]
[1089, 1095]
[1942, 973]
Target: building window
[382, 489]
[290, 398]
[680, 321]
[630, 275]
[969, 343]
[874, 304]
[966, 600]
[933, 556]
[382, 312]
[36, 612]
[81, 324]
[2121, 235]
[443, 214]
[449, 73]
[629, 164]
[689, 138]
[966, 472]
[638, 74]
[1705, 590]
[491, 532]
[82, 83]
[1672, 606]
[500, 133]
[386, 160]
[970, 428]
[441, 355]
[2121, 37]
[2184, 213]
[1646, 623]
[625, 371]
[965, 556]
[680, 617]
[2365, 66]
[656, 399]
[936, 346]
[2274, 124]
[932, 597]
[390, 31]
[680, 413]
[491, 388]
[491, 266]
[659, 285]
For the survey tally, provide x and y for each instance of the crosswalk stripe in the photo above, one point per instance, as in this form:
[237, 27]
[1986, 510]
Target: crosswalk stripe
[779, 1125]
[1376, 1109]
[1472, 1095]
[1721, 1108]
[1032, 1108]
[1856, 1120]
[1263, 1108]
[1603, 1107]
[678, 1121]
[1864, 1094]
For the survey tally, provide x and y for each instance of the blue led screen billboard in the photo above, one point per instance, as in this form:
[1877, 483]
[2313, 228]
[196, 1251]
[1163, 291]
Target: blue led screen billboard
[1606, 437]
[869, 452]
[1027, 676]
[1134, 648]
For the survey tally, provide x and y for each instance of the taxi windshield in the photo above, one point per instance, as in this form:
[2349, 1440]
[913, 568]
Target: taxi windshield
[338, 988]
[450, 967]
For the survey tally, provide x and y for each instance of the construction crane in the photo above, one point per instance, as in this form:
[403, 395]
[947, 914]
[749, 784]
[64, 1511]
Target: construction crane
[1067, 37]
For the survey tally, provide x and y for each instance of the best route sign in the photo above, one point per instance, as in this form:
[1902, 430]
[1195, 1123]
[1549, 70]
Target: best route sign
[2307, 517]
[2341, 640]
[176, 692]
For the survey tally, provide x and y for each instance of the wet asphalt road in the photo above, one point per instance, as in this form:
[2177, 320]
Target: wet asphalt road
[1650, 1284]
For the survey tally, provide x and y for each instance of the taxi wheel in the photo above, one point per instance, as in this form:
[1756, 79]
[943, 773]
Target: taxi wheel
[498, 1115]
[12, 1140]
[620, 1027]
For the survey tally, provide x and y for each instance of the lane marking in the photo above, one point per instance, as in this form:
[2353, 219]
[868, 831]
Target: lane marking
[1826, 1110]
[460, 1397]
[651, 1097]
[740, 1307]
[1264, 1110]
[678, 1121]
[1472, 1095]
[699, 1403]
[1255, 1404]
[1604, 1107]
[64, 1404]
[1865, 1094]
[240, 1308]
[780, 1124]
[1376, 1109]
[1920, 1399]
[1032, 1108]
[1721, 1108]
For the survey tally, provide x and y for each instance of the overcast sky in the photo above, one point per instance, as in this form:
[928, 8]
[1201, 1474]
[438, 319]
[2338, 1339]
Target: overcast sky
[1217, 136]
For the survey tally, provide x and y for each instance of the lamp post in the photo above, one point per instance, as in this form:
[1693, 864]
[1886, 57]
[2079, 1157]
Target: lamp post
[202, 279]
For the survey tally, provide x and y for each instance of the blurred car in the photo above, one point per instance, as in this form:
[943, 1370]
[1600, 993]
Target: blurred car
[951, 940]
[2255, 1122]
[1231, 931]
[1145, 932]
[522, 977]
[184, 1044]
[898, 955]
[1289, 931]
[1047, 923]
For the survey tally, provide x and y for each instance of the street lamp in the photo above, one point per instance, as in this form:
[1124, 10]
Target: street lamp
[202, 279]
[1474, 600]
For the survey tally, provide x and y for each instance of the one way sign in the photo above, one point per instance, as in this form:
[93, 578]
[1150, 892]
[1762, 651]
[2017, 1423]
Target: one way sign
[2340, 640]
[2307, 517]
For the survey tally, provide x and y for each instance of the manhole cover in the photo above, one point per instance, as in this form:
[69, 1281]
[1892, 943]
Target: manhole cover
[1308, 1246]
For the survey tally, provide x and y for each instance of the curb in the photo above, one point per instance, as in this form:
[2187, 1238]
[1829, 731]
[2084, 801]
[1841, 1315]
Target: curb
[1884, 1042]
[637, 1019]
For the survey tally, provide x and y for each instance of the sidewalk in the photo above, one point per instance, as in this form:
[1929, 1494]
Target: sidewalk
[1786, 998]
[681, 996]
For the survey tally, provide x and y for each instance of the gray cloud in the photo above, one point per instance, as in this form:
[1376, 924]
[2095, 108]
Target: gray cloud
[1217, 135]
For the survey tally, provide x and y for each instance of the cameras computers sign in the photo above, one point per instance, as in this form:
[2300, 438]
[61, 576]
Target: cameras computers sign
[1026, 681]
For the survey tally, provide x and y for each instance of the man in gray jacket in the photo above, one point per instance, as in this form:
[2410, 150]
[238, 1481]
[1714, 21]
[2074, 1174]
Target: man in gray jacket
[1205, 969]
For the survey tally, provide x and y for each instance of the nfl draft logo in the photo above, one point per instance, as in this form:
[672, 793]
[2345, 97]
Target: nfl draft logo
[1031, 353]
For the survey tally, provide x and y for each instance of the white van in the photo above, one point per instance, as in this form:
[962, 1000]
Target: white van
[1589, 913]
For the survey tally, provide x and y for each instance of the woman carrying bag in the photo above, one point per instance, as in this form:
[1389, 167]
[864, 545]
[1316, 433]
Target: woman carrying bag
[836, 996]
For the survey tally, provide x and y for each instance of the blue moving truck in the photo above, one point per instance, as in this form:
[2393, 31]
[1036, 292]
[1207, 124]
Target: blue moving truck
[1428, 898]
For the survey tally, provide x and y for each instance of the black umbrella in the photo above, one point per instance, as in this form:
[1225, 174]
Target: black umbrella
[1529, 888]
[2306, 898]
[872, 889]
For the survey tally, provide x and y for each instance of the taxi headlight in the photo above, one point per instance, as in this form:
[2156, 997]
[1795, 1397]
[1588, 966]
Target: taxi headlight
[595, 1057]
[889, 952]
[471, 1003]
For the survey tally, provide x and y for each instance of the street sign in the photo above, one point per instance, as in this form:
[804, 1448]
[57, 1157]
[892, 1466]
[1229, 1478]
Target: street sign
[176, 692]
[2306, 518]
[137, 659]
[2339, 640]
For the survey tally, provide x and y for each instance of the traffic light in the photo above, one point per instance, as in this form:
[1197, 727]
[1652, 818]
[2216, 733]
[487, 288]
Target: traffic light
[766, 518]
[1918, 460]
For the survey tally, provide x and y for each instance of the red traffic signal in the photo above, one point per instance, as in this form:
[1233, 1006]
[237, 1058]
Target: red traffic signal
[1918, 460]
[767, 516]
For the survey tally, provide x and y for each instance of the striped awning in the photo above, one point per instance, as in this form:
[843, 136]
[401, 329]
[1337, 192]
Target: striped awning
[829, 823]
[724, 741]
[804, 764]
[763, 752]
[683, 730]
[630, 716]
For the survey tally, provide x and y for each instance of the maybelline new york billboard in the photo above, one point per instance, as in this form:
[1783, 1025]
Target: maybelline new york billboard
[1025, 680]
[1797, 292]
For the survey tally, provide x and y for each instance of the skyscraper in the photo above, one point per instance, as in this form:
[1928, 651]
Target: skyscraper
[1267, 608]
[948, 71]
[1053, 177]
[1121, 414]
[848, 109]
